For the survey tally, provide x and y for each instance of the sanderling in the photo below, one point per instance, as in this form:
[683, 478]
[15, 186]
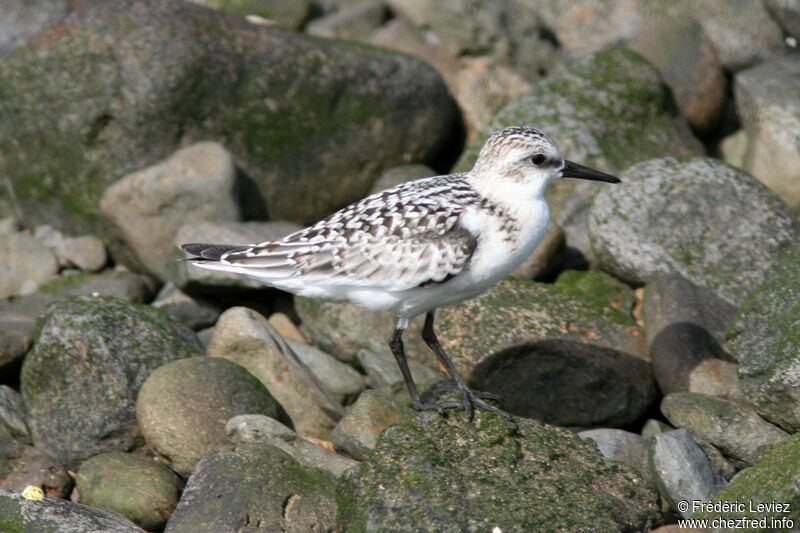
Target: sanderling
[420, 245]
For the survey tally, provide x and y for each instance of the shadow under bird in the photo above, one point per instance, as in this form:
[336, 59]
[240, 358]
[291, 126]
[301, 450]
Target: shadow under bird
[420, 245]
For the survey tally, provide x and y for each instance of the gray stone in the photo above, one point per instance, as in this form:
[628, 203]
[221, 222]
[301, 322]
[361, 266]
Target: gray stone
[448, 474]
[26, 264]
[245, 337]
[403, 173]
[310, 121]
[775, 478]
[731, 226]
[16, 336]
[654, 427]
[350, 23]
[687, 60]
[568, 353]
[82, 376]
[183, 406]
[192, 312]
[266, 430]
[732, 426]
[21, 21]
[87, 252]
[357, 432]
[188, 276]
[264, 489]
[786, 14]
[140, 489]
[767, 105]
[607, 110]
[623, 446]
[764, 337]
[12, 414]
[685, 326]
[344, 382]
[385, 375]
[145, 209]
[682, 470]
[56, 514]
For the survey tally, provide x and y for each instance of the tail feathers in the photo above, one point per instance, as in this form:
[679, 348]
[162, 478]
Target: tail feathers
[212, 252]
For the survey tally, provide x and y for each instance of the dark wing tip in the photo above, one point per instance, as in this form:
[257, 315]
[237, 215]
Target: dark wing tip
[212, 252]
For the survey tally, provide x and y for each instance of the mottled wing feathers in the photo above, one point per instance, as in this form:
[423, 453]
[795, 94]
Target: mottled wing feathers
[401, 238]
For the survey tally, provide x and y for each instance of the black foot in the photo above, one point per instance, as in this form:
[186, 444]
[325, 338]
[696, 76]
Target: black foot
[469, 396]
[475, 398]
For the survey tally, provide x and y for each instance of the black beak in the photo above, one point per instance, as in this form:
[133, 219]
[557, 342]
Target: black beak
[574, 170]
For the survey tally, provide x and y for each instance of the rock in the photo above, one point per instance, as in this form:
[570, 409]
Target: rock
[145, 209]
[567, 353]
[688, 62]
[731, 226]
[775, 479]
[403, 173]
[607, 110]
[12, 414]
[623, 446]
[357, 432]
[119, 283]
[55, 514]
[385, 375]
[285, 327]
[685, 328]
[16, 336]
[770, 113]
[287, 13]
[344, 382]
[342, 329]
[732, 426]
[263, 488]
[188, 276]
[266, 430]
[26, 264]
[21, 21]
[764, 337]
[307, 139]
[448, 474]
[245, 337]
[33, 467]
[683, 472]
[546, 257]
[654, 427]
[183, 406]
[82, 376]
[87, 252]
[350, 23]
[192, 312]
[138, 488]
[786, 14]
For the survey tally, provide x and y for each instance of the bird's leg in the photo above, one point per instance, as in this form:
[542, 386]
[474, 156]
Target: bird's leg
[470, 397]
[396, 345]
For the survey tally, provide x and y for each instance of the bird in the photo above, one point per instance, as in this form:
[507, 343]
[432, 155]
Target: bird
[419, 246]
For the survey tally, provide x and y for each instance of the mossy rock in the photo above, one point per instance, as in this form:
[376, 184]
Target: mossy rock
[448, 474]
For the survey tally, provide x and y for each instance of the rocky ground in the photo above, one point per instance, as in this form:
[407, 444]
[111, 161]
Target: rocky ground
[649, 348]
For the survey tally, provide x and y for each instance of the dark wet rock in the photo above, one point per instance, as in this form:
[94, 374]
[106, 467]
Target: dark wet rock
[12, 414]
[448, 474]
[764, 337]
[30, 466]
[732, 426]
[139, 488]
[685, 328]
[351, 22]
[775, 479]
[188, 276]
[144, 210]
[310, 121]
[769, 114]
[363, 422]
[255, 486]
[26, 264]
[731, 226]
[682, 470]
[266, 430]
[16, 336]
[81, 378]
[246, 338]
[193, 312]
[20, 515]
[184, 405]
[568, 353]
[607, 110]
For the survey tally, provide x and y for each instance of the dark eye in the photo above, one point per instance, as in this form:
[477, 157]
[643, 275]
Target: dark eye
[539, 159]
